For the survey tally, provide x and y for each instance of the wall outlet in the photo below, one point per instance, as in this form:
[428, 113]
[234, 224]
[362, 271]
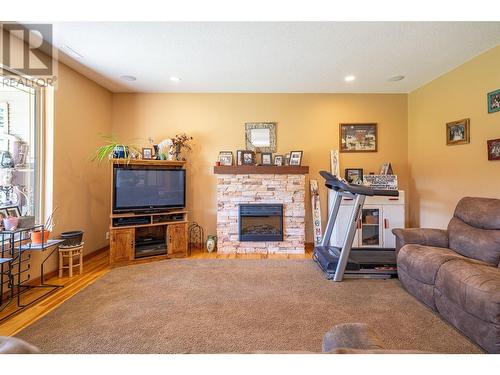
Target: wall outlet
[107, 235]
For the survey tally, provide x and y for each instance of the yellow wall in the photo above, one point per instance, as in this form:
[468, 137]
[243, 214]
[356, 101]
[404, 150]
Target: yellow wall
[82, 113]
[441, 174]
[307, 122]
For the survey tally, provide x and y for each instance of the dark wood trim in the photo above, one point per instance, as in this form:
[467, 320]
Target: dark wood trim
[260, 169]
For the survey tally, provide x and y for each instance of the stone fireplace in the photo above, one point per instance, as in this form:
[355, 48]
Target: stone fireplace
[259, 212]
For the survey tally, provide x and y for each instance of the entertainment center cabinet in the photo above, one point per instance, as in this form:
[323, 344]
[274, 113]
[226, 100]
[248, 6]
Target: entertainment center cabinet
[156, 233]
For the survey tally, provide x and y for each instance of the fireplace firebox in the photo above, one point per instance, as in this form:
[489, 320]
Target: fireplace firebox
[260, 222]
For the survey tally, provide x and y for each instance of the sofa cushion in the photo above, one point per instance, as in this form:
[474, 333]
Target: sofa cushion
[474, 286]
[481, 213]
[423, 262]
[473, 242]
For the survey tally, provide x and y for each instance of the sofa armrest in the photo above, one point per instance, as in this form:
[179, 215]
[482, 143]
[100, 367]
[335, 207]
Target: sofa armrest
[421, 236]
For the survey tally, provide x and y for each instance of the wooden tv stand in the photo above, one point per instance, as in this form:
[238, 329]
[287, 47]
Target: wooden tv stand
[163, 234]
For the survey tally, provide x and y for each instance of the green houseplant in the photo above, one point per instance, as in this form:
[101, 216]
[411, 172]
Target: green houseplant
[114, 149]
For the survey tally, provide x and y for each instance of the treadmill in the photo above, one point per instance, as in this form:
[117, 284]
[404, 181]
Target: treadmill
[340, 262]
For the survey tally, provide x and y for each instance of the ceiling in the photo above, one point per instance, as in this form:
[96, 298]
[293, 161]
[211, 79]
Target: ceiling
[288, 57]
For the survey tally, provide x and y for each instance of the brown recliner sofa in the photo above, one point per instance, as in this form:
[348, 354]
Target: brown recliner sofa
[456, 272]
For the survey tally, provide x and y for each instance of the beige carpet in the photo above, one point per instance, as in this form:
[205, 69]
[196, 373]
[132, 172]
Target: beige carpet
[221, 306]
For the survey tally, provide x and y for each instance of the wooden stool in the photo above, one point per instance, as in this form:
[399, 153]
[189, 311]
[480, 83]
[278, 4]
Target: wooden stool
[69, 252]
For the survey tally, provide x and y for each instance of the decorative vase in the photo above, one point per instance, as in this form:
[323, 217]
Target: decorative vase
[211, 243]
[178, 152]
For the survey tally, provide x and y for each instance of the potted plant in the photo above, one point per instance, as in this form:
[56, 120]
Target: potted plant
[42, 234]
[179, 142]
[114, 149]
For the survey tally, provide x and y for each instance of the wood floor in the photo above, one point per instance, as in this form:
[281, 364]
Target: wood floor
[95, 267]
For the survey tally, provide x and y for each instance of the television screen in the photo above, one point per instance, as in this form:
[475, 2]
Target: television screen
[148, 188]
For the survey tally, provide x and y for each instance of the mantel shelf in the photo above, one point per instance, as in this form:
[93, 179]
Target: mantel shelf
[260, 169]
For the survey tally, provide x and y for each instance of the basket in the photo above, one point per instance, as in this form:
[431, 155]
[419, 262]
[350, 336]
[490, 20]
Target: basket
[72, 238]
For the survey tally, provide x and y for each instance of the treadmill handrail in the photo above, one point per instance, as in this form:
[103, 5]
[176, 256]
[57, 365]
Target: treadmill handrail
[332, 182]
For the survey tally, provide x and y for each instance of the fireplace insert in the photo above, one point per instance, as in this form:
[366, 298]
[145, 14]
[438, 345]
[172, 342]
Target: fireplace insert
[260, 222]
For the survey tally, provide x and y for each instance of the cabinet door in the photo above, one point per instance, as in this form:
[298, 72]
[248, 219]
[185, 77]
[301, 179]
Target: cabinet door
[177, 240]
[340, 227]
[122, 245]
[370, 233]
[394, 217]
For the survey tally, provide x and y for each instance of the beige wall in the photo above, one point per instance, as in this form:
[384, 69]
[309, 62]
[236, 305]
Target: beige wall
[82, 113]
[441, 174]
[307, 122]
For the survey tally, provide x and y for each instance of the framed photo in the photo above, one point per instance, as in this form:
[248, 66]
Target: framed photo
[226, 158]
[239, 160]
[11, 211]
[3, 215]
[287, 159]
[248, 157]
[494, 149]
[295, 157]
[494, 101]
[266, 158]
[147, 153]
[278, 160]
[358, 137]
[354, 176]
[457, 132]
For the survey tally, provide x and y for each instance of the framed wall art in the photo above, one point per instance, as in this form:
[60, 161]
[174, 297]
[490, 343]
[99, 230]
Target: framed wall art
[358, 137]
[493, 149]
[494, 101]
[458, 132]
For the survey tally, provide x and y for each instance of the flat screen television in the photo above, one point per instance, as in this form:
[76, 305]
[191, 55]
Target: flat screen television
[148, 189]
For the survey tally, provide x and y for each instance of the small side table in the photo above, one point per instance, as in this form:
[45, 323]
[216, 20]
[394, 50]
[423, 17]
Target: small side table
[70, 252]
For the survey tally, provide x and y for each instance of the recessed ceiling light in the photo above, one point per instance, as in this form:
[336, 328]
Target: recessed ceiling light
[396, 78]
[128, 78]
[70, 51]
[349, 78]
[175, 79]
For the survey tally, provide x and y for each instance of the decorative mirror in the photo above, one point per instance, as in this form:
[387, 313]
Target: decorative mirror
[260, 136]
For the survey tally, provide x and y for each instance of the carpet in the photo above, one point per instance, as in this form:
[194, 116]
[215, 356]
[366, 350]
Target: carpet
[226, 306]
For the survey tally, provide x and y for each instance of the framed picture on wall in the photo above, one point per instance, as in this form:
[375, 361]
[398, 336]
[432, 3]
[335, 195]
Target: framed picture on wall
[494, 101]
[493, 149]
[458, 132]
[358, 137]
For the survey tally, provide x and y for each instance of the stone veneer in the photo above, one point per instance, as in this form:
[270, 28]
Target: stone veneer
[286, 189]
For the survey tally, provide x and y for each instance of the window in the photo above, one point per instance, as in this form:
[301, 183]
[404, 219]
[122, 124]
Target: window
[20, 151]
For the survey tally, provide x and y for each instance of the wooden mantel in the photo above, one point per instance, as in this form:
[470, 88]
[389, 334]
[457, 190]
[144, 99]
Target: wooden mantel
[260, 169]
